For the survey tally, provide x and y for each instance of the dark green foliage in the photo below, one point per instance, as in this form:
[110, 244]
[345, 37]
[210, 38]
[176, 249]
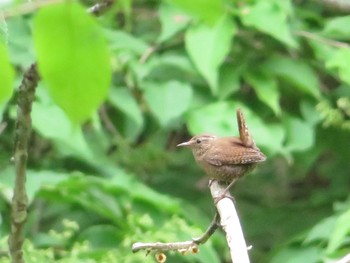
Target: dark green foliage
[180, 68]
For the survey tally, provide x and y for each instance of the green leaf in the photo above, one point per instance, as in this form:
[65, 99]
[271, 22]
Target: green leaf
[34, 182]
[270, 17]
[208, 10]
[340, 63]
[321, 231]
[309, 112]
[7, 75]
[122, 41]
[216, 118]
[125, 102]
[168, 101]
[50, 122]
[208, 46]
[266, 89]
[298, 255]
[73, 58]
[337, 28]
[3, 29]
[20, 44]
[296, 72]
[101, 236]
[340, 232]
[229, 81]
[300, 135]
[172, 21]
[322, 51]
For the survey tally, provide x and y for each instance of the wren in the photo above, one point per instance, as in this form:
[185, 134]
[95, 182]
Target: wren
[226, 159]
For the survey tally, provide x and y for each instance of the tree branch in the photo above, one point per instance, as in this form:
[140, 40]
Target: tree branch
[338, 5]
[182, 246]
[230, 222]
[22, 133]
[326, 41]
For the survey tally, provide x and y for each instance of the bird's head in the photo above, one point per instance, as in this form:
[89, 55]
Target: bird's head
[199, 143]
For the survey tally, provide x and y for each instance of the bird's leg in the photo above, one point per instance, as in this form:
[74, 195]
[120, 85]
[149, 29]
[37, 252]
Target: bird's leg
[224, 194]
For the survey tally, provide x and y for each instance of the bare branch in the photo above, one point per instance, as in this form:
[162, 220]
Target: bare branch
[23, 130]
[183, 246]
[230, 222]
[100, 8]
[338, 5]
[329, 42]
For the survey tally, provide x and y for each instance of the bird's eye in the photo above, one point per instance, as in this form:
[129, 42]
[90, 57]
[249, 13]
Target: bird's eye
[198, 141]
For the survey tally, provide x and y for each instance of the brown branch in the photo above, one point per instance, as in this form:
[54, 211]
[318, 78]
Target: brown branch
[28, 7]
[327, 41]
[338, 5]
[182, 246]
[22, 133]
[100, 8]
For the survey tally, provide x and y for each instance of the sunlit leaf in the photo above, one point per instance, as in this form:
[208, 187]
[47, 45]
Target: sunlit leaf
[321, 231]
[340, 63]
[208, 10]
[269, 17]
[172, 20]
[208, 46]
[7, 75]
[340, 232]
[338, 28]
[73, 58]
[296, 72]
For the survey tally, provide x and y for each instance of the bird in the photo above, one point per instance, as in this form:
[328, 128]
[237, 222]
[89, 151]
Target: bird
[226, 159]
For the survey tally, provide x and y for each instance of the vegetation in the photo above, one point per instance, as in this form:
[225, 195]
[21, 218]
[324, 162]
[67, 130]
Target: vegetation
[118, 92]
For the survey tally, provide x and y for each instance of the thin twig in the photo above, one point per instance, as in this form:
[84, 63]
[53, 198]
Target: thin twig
[28, 7]
[149, 51]
[209, 232]
[327, 41]
[339, 5]
[23, 130]
[179, 246]
[100, 8]
[159, 246]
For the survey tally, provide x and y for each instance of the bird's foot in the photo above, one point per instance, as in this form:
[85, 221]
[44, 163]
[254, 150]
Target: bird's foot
[225, 193]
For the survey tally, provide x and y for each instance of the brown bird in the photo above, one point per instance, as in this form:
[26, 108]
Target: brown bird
[226, 158]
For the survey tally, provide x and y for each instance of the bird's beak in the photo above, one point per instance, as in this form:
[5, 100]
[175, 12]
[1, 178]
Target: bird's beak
[184, 144]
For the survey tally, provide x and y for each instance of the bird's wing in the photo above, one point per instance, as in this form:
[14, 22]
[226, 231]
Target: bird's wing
[233, 153]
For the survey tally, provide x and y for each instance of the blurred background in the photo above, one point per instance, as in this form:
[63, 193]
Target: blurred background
[180, 68]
